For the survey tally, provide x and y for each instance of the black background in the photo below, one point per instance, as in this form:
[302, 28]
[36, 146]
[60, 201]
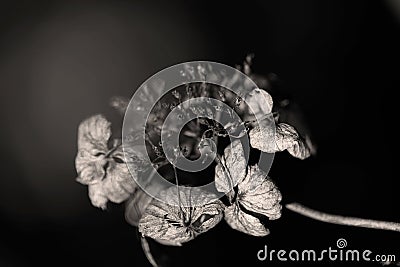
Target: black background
[61, 61]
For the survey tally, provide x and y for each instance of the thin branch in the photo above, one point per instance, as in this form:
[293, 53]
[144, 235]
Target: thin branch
[228, 176]
[178, 191]
[147, 251]
[337, 219]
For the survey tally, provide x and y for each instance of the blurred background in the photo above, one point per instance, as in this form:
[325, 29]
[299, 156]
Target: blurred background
[61, 61]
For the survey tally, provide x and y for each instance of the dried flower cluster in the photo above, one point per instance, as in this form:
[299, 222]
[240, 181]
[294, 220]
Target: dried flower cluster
[254, 199]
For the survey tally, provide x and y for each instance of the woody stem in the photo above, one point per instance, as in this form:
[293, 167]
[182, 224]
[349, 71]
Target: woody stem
[342, 220]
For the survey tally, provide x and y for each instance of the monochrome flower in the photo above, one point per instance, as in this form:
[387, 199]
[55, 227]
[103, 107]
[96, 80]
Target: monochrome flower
[256, 195]
[283, 137]
[269, 136]
[102, 168]
[180, 222]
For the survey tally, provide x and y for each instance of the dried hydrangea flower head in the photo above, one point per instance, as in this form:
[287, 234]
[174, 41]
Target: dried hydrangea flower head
[250, 198]
[104, 170]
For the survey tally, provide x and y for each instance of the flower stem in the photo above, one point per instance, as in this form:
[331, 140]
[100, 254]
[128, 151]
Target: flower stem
[343, 220]
[147, 251]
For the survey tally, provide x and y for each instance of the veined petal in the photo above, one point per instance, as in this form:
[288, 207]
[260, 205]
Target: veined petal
[97, 196]
[232, 168]
[174, 224]
[257, 193]
[243, 222]
[93, 135]
[285, 138]
[260, 103]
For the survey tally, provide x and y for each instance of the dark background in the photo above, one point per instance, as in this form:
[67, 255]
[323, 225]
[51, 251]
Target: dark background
[61, 61]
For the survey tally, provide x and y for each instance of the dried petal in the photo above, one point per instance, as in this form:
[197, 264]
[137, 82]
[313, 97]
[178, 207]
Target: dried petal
[259, 102]
[256, 194]
[284, 138]
[94, 132]
[291, 113]
[118, 184]
[97, 196]
[243, 222]
[179, 223]
[232, 167]
[93, 135]
[263, 136]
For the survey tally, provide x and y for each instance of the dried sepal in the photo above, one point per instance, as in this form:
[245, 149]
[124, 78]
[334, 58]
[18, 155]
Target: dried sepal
[283, 137]
[102, 168]
[97, 195]
[93, 135]
[243, 222]
[231, 168]
[118, 183]
[178, 222]
[259, 102]
[257, 195]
